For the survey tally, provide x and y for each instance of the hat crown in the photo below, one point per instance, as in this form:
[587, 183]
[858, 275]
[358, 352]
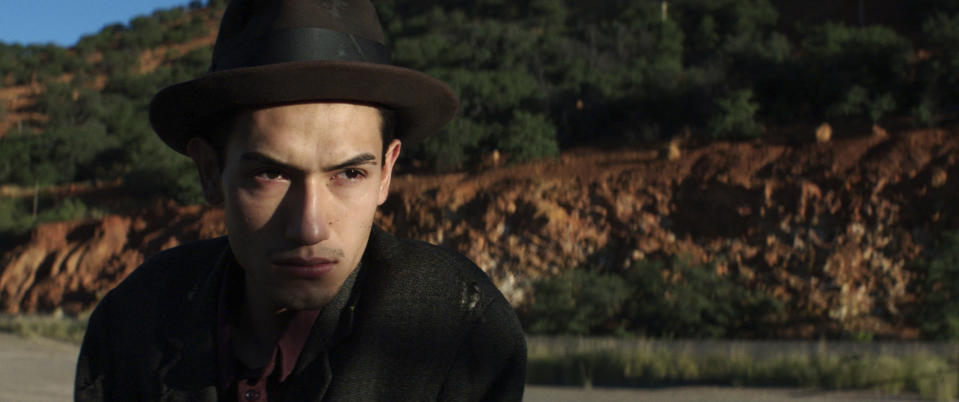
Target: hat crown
[258, 32]
[271, 52]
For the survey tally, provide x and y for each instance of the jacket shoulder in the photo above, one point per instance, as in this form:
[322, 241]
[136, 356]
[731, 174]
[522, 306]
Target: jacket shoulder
[429, 262]
[175, 267]
[434, 280]
[450, 331]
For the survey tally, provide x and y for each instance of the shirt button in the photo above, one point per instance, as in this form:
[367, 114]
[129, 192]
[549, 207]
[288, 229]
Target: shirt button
[251, 394]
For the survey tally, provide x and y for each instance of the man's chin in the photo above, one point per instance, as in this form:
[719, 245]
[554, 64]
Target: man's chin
[303, 299]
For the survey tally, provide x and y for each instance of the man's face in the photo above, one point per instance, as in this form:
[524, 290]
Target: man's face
[300, 184]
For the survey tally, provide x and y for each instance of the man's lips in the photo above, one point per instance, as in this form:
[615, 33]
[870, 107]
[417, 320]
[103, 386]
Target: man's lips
[304, 267]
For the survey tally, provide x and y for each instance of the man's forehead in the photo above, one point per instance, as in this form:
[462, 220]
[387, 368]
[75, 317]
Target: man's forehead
[262, 112]
[333, 127]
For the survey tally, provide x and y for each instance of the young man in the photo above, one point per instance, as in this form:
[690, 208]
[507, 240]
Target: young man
[295, 131]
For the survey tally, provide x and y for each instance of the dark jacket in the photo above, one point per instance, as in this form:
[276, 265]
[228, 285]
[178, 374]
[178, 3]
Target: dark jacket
[422, 324]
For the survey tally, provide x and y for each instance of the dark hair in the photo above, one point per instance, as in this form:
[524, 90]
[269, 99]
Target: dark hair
[220, 127]
[387, 125]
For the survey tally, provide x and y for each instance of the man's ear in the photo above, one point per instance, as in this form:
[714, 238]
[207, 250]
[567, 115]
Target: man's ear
[389, 159]
[208, 165]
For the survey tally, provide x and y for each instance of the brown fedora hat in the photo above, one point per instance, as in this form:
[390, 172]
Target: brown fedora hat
[285, 51]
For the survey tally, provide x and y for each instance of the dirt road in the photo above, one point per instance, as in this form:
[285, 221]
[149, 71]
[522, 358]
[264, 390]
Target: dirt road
[35, 369]
[41, 370]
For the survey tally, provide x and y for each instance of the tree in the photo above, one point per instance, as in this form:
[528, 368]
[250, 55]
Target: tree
[840, 58]
[940, 304]
[14, 155]
[216, 4]
[657, 298]
[941, 37]
[859, 103]
[579, 301]
[528, 136]
[549, 14]
[456, 146]
[144, 32]
[688, 299]
[157, 170]
[736, 116]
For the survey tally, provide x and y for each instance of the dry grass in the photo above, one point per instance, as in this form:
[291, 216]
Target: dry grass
[55, 326]
[926, 369]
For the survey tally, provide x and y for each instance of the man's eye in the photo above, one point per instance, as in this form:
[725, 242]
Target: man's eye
[351, 175]
[269, 175]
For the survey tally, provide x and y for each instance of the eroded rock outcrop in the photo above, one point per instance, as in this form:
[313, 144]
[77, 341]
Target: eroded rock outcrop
[70, 265]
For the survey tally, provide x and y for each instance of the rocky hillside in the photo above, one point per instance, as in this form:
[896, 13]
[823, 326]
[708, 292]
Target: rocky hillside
[827, 228]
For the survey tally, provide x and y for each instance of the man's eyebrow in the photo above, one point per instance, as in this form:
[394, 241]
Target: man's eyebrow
[361, 159]
[266, 160]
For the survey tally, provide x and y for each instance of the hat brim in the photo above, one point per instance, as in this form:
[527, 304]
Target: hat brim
[423, 104]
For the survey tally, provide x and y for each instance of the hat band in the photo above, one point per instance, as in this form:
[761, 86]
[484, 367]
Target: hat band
[313, 44]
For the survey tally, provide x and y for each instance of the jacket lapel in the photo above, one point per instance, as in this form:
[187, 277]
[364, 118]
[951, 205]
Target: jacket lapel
[312, 375]
[190, 371]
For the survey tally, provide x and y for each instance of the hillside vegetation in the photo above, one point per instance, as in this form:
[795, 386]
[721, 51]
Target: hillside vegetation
[535, 77]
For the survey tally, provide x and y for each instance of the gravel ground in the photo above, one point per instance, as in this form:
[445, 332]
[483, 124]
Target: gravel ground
[41, 370]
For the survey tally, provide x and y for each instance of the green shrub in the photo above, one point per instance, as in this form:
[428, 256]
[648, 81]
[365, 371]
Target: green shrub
[169, 16]
[119, 61]
[736, 116]
[528, 136]
[457, 145]
[186, 30]
[682, 299]
[16, 214]
[857, 102]
[15, 217]
[14, 155]
[65, 210]
[196, 27]
[937, 75]
[158, 171]
[577, 302]
[64, 154]
[838, 59]
[688, 299]
[922, 115]
[144, 32]
[216, 4]
[940, 302]
[493, 92]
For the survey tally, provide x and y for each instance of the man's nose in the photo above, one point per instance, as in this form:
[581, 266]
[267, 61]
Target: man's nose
[309, 221]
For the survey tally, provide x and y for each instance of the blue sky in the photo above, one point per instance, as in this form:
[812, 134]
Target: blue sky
[63, 22]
